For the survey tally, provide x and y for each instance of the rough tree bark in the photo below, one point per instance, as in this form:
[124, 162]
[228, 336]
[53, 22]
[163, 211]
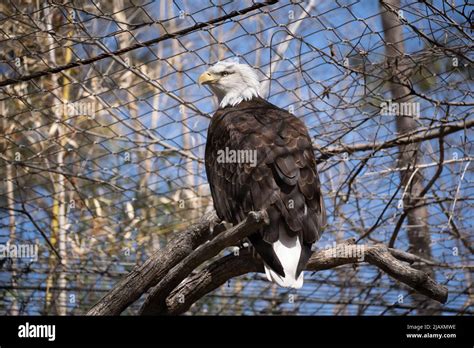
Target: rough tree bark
[155, 302]
[176, 287]
[417, 228]
[219, 272]
[142, 277]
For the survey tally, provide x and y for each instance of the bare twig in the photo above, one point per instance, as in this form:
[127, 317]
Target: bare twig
[147, 43]
[419, 135]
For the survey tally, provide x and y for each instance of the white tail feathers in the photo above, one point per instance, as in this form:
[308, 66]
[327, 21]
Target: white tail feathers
[288, 251]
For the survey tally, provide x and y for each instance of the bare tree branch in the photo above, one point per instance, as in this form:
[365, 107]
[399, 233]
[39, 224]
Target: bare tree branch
[147, 43]
[227, 267]
[232, 236]
[178, 288]
[141, 278]
[416, 136]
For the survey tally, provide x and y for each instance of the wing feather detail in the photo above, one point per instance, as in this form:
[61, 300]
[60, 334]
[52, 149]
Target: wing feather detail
[284, 179]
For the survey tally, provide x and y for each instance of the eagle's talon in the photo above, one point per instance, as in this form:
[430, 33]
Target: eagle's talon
[216, 227]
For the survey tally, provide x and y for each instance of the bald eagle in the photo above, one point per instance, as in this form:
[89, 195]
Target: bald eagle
[259, 156]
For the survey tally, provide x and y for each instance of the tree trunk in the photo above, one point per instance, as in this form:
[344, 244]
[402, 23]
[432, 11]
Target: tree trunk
[417, 229]
[14, 309]
[59, 220]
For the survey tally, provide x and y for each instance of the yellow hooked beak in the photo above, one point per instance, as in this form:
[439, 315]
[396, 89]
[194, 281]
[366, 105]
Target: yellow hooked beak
[207, 78]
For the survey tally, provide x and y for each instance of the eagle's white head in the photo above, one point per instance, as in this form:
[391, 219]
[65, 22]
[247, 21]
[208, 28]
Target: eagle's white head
[231, 82]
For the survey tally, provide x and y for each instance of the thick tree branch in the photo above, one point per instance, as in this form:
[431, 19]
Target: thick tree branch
[174, 287]
[391, 261]
[155, 301]
[143, 277]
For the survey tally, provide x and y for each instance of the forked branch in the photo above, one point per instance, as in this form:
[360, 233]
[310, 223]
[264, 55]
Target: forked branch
[173, 284]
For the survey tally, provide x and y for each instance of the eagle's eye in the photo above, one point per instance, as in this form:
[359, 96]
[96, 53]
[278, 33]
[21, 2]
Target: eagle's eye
[224, 73]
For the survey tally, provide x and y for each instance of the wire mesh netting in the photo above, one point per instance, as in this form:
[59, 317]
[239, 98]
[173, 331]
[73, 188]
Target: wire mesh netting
[103, 131]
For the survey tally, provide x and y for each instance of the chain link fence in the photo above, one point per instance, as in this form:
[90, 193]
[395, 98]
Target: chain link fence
[103, 129]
